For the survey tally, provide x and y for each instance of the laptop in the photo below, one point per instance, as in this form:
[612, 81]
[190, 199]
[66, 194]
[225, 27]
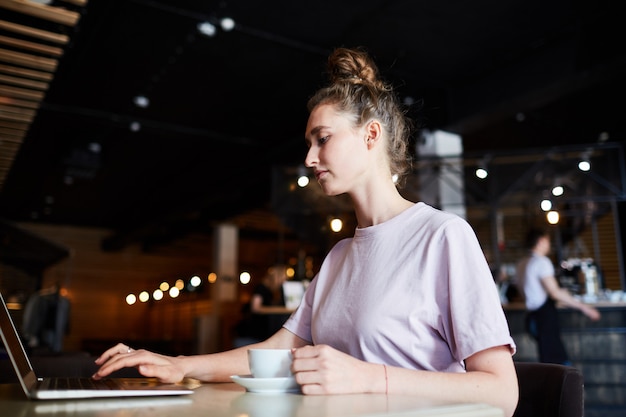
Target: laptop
[74, 387]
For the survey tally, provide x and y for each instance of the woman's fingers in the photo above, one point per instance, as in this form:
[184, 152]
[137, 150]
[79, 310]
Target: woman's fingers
[118, 349]
[148, 364]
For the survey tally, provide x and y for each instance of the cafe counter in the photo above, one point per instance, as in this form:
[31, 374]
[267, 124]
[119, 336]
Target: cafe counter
[598, 349]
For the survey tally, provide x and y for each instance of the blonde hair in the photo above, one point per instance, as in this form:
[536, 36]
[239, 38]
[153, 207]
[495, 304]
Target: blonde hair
[356, 89]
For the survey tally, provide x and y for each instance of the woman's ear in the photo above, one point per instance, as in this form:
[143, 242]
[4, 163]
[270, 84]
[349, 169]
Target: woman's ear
[373, 132]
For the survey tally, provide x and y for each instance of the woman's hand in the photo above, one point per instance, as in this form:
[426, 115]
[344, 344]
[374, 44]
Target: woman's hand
[322, 369]
[165, 368]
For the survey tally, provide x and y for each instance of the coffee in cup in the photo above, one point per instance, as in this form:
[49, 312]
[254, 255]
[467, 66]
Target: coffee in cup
[270, 363]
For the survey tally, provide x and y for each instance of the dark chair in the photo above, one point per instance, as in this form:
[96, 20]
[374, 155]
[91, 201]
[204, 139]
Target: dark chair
[549, 390]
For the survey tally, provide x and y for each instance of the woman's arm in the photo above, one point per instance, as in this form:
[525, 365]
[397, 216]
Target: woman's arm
[490, 377]
[217, 367]
[563, 296]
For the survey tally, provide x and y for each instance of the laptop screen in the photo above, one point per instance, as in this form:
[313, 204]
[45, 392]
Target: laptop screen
[14, 347]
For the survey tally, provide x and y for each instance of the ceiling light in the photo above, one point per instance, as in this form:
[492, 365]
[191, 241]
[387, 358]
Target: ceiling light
[207, 29]
[135, 127]
[141, 101]
[481, 173]
[558, 191]
[603, 136]
[546, 205]
[95, 147]
[584, 165]
[227, 24]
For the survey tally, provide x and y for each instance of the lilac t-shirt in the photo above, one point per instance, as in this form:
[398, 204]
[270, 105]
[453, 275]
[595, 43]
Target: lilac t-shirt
[414, 291]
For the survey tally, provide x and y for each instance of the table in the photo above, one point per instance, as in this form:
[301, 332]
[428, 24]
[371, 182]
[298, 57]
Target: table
[231, 400]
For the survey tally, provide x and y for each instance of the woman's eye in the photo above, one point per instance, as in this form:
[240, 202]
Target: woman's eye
[323, 140]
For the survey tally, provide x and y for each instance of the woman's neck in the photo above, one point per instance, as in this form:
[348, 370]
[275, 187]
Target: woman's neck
[378, 204]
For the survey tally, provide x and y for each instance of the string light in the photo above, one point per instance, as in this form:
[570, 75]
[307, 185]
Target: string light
[245, 277]
[195, 281]
[303, 181]
[303, 178]
[336, 225]
[553, 217]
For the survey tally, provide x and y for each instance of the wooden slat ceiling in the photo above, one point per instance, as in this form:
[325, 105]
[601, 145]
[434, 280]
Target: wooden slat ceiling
[33, 36]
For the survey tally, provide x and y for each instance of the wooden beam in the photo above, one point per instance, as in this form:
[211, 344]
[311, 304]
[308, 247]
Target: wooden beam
[4, 132]
[42, 11]
[16, 117]
[11, 101]
[17, 111]
[30, 61]
[8, 156]
[23, 82]
[13, 125]
[26, 73]
[13, 139]
[76, 2]
[31, 46]
[21, 93]
[6, 163]
[43, 35]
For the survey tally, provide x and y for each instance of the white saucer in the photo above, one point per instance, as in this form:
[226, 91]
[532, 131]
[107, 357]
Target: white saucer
[267, 385]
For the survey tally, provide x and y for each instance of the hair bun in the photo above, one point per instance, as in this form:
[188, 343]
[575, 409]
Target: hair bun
[353, 66]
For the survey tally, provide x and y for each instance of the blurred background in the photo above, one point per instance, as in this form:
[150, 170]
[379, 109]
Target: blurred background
[149, 145]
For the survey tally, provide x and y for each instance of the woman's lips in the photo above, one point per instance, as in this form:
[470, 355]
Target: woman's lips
[320, 174]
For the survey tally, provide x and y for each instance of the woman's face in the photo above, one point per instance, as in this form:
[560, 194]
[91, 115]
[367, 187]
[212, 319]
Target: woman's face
[337, 150]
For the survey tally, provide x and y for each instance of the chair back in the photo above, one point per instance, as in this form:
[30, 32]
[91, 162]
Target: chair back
[549, 390]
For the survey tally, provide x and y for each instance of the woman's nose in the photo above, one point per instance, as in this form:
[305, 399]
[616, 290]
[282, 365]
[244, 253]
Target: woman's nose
[311, 157]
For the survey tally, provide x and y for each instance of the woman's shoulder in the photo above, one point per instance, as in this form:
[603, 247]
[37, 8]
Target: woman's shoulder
[425, 215]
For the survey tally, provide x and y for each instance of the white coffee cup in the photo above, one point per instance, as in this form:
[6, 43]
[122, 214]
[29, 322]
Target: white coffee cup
[270, 363]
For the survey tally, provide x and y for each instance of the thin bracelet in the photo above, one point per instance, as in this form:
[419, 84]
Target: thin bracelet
[386, 380]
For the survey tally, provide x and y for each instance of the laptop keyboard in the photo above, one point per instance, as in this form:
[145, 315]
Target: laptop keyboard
[83, 384]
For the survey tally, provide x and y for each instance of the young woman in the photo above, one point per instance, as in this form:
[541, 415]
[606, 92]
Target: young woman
[407, 305]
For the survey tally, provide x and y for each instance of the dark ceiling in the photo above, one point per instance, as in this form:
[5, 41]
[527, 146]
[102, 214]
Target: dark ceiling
[224, 110]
